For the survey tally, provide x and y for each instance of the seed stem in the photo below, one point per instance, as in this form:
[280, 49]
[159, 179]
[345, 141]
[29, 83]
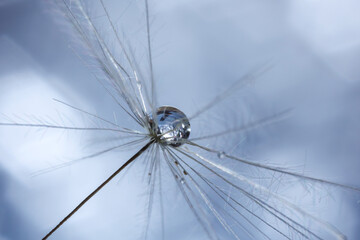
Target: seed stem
[99, 188]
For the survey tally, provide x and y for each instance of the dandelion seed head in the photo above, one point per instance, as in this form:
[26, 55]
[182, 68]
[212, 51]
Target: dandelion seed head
[171, 127]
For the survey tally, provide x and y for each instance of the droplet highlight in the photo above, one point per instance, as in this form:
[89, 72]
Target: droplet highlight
[182, 180]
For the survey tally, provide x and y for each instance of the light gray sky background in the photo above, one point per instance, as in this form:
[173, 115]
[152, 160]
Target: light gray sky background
[200, 48]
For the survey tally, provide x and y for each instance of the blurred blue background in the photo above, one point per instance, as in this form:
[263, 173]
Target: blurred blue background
[201, 47]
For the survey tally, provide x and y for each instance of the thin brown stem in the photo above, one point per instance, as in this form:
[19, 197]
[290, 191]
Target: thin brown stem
[99, 188]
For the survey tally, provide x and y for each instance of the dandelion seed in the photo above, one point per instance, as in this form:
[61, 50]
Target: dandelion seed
[228, 201]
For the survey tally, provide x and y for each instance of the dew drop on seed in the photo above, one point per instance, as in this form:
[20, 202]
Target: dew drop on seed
[172, 126]
[221, 154]
[182, 180]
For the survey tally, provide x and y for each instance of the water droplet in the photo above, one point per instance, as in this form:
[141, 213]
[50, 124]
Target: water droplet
[221, 154]
[182, 180]
[172, 126]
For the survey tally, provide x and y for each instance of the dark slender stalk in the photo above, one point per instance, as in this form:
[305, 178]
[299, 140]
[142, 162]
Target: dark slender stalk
[99, 188]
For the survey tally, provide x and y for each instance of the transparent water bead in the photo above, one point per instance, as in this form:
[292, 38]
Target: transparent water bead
[182, 180]
[221, 154]
[172, 126]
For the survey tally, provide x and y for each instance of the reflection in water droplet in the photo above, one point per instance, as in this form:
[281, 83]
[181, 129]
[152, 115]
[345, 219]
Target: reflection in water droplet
[172, 126]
